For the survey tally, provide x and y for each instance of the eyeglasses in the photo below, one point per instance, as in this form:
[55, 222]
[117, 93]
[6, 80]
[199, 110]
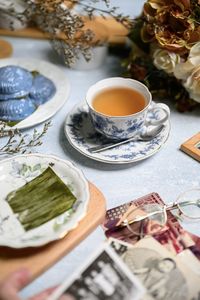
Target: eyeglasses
[150, 219]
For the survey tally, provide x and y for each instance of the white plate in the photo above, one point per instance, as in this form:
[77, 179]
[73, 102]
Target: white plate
[15, 172]
[48, 109]
[82, 135]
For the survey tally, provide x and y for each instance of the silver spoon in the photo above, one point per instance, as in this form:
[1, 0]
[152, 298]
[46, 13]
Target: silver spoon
[147, 136]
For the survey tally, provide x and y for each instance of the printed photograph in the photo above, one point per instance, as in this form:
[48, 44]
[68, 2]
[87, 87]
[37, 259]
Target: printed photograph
[171, 234]
[156, 272]
[105, 277]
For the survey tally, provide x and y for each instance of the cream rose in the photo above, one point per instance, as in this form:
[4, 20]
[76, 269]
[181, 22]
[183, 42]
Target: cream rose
[165, 60]
[189, 73]
[192, 84]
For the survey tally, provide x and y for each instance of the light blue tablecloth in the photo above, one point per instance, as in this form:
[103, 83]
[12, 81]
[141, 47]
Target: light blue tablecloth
[169, 172]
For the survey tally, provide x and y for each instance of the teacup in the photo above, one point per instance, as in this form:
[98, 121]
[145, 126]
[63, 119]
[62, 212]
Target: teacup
[130, 103]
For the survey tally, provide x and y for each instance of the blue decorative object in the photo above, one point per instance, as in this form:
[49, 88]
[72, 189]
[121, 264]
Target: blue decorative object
[82, 135]
[42, 90]
[15, 82]
[16, 110]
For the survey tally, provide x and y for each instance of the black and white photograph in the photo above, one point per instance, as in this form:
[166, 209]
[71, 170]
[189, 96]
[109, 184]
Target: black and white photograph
[155, 271]
[104, 277]
[157, 274]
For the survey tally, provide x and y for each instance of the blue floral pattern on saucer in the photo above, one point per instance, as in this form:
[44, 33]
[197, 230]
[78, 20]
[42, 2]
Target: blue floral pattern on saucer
[81, 135]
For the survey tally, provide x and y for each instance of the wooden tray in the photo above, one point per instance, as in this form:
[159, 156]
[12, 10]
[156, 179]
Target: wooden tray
[105, 29]
[37, 260]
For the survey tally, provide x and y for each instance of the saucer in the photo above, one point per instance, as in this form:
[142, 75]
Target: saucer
[82, 135]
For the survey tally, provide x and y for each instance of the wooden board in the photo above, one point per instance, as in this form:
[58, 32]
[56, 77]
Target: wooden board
[192, 146]
[105, 29]
[37, 260]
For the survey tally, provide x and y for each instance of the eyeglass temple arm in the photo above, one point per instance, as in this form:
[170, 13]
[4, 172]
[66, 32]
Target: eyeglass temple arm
[140, 218]
[174, 205]
[165, 208]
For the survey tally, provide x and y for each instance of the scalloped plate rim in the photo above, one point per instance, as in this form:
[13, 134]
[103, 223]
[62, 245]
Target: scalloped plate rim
[19, 245]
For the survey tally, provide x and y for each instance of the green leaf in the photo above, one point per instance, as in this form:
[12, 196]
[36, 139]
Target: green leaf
[24, 169]
[36, 167]
[41, 199]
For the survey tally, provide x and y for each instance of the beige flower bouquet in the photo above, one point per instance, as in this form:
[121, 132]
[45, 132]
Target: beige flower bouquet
[166, 50]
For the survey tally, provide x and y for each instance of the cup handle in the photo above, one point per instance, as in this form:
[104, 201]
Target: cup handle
[156, 107]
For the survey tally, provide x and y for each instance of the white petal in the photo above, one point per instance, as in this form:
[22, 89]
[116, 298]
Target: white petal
[183, 70]
[195, 50]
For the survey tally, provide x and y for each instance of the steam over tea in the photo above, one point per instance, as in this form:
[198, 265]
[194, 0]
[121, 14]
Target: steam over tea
[119, 101]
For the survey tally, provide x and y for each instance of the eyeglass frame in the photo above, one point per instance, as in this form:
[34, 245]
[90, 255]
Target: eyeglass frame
[166, 208]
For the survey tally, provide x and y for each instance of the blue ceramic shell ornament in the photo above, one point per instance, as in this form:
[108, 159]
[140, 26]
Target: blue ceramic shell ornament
[16, 110]
[42, 90]
[15, 82]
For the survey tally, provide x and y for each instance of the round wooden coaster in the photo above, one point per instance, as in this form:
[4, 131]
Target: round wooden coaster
[5, 49]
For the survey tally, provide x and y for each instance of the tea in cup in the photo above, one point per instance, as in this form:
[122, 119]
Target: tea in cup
[119, 107]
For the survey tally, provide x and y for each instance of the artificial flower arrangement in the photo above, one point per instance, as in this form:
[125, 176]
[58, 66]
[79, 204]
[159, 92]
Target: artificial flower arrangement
[166, 50]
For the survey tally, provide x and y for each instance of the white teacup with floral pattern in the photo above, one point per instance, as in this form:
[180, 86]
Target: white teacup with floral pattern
[124, 127]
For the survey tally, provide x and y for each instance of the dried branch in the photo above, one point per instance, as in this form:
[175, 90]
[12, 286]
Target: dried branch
[59, 17]
[10, 11]
[19, 142]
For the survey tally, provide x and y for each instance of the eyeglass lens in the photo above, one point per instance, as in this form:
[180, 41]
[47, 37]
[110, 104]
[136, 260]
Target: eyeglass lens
[189, 203]
[146, 220]
[151, 218]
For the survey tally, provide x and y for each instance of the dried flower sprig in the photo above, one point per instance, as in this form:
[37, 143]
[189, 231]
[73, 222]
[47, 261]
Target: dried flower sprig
[19, 142]
[66, 27]
[9, 10]
[90, 10]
